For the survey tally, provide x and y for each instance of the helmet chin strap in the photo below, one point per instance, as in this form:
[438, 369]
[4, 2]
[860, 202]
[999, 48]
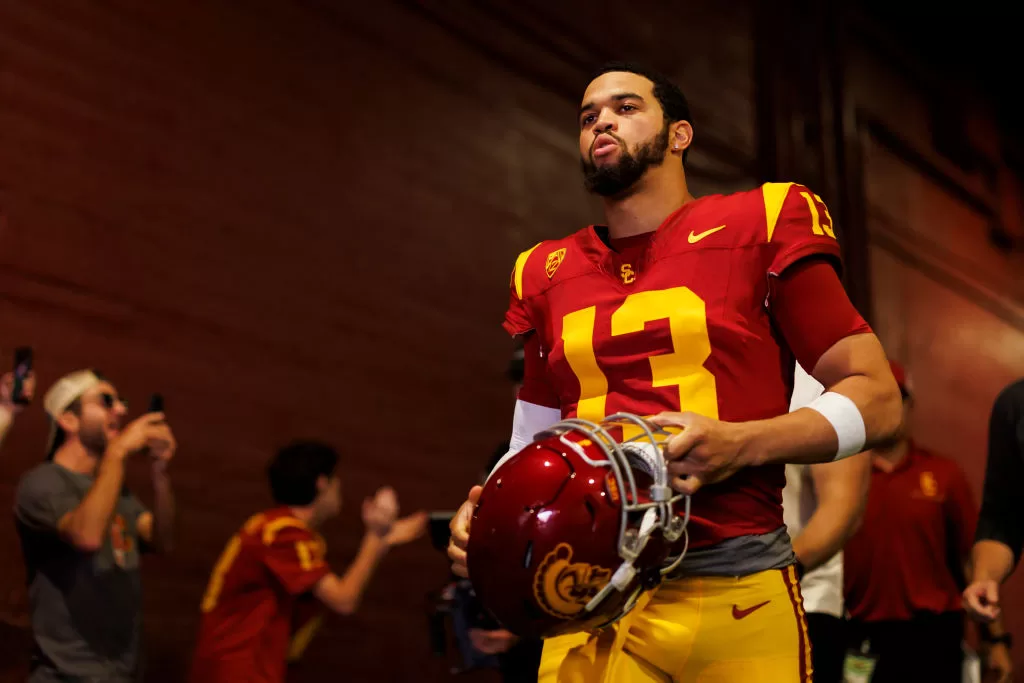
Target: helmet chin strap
[658, 514]
[627, 572]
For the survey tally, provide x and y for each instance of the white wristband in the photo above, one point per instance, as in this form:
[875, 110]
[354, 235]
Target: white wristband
[844, 416]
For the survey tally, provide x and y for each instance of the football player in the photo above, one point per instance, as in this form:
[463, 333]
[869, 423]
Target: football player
[262, 579]
[694, 311]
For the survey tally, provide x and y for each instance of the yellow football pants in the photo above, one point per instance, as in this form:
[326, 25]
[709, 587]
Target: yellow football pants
[695, 630]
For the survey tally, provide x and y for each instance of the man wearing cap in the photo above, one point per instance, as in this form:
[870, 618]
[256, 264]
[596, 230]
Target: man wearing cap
[82, 531]
[904, 569]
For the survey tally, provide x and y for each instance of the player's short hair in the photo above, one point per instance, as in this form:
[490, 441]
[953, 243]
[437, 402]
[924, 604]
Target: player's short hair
[670, 97]
[294, 471]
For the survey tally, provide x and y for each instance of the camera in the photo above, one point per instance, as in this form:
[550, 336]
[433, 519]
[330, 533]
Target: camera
[455, 609]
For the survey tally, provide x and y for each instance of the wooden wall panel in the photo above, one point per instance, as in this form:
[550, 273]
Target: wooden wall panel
[889, 83]
[911, 213]
[299, 219]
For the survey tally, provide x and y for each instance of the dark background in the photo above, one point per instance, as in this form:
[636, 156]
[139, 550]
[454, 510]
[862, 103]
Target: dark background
[299, 218]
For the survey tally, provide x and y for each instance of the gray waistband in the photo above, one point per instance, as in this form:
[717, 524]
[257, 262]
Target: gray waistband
[740, 556]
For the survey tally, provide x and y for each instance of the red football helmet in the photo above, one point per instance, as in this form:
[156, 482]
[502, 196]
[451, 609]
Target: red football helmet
[571, 529]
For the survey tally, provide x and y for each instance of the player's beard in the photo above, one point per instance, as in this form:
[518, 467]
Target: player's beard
[614, 179]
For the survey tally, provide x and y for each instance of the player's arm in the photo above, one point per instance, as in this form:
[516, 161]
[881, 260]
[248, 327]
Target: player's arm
[861, 406]
[841, 489]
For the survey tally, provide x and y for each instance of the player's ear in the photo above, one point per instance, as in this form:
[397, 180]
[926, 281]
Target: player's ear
[322, 482]
[680, 135]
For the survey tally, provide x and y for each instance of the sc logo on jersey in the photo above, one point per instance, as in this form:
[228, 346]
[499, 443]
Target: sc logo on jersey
[563, 587]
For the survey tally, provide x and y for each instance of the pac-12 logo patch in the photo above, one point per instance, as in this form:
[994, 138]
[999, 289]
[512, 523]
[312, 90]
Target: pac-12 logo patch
[563, 587]
[555, 259]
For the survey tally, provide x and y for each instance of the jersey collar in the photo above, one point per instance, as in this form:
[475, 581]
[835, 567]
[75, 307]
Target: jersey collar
[597, 251]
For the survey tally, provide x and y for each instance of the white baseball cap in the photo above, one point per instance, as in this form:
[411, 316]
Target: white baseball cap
[59, 398]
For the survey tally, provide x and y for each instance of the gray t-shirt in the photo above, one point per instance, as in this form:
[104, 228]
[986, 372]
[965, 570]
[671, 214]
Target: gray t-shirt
[86, 607]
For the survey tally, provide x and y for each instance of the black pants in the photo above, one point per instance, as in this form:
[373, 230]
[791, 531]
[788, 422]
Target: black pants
[828, 646]
[924, 648]
[520, 664]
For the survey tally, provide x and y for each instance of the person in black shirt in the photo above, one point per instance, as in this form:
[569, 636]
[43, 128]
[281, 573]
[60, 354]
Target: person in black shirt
[518, 658]
[1000, 536]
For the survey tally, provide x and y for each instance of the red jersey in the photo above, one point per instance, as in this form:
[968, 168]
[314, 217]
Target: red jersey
[251, 599]
[685, 326]
[909, 553]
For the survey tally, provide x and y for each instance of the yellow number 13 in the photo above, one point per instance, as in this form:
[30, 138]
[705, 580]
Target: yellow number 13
[683, 367]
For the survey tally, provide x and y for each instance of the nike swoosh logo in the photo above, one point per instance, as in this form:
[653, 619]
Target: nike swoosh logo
[693, 239]
[738, 613]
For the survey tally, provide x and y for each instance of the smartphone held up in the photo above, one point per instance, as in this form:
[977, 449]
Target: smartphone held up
[22, 370]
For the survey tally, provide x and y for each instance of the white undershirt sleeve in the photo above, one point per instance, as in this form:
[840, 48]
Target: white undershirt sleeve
[527, 421]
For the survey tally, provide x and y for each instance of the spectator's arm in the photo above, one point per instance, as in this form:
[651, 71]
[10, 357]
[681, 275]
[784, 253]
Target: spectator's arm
[842, 489]
[1000, 534]
[8, 408]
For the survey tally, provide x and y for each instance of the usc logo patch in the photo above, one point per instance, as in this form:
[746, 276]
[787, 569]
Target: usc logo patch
[563, 588]
[555, 259]
[627, 274]
[929, 487]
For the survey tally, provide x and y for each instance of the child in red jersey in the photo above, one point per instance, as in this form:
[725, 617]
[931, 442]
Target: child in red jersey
[277, 558]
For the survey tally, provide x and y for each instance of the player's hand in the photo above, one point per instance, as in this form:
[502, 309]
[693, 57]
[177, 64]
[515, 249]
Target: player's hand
[998, 663]
[147, 432]
[381, 511]
[703, 452]
[407, 529]
[981, 600]
[492, 642]
[459, 526]
[28, 390]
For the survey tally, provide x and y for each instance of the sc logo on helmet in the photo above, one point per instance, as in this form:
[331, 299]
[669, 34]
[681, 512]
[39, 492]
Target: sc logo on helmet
[564, 588]
[571, 529]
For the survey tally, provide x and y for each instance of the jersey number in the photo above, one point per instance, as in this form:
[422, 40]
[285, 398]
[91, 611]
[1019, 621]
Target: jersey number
[817, 226]
[683, 367]
[310, 554]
